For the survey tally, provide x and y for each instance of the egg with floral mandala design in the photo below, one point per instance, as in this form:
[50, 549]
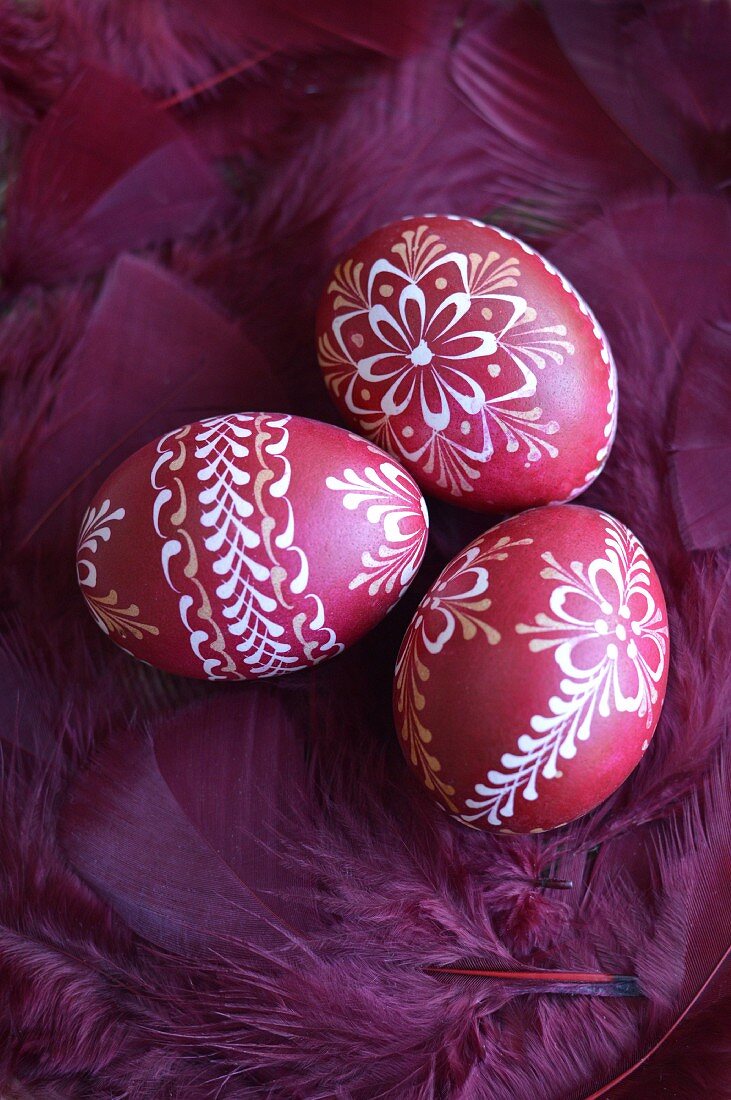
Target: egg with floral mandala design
[466, 355]
[249, 545]
[531, 679]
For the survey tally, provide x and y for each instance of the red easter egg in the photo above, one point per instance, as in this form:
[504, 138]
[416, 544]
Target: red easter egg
[468, 357]
[531, 679]
[249, 545]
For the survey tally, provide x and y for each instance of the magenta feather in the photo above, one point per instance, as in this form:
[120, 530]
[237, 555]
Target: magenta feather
[557, 142]
[659, 67]
[701, 447]
[134, 179]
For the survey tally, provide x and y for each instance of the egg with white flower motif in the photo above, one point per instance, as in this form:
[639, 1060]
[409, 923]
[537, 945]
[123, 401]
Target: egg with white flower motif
[466, 355]
[249, 545]
[531, 679]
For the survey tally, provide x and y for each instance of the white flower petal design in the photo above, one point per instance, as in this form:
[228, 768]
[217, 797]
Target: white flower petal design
[469, 364]
[392, 501]
[610, 604]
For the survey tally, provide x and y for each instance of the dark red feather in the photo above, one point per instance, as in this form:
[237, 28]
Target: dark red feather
[156, 354]
[701, 445]
[290, 25]
[104, 172]
[557, 142]
[660, 69]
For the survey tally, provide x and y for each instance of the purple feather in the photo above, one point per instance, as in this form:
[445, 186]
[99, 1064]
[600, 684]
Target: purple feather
[181, 834]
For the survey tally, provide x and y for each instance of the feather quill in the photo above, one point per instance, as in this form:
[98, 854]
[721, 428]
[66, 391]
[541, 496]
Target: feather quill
[474, 974]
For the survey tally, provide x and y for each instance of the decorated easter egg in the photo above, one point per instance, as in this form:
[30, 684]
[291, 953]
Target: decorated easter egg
[468, 357]
[531, 679]
[249, 545]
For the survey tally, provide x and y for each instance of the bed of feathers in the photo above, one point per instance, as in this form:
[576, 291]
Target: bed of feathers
[233, 891]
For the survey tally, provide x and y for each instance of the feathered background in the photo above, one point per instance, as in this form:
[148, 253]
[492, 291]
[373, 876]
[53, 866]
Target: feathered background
[234, 891]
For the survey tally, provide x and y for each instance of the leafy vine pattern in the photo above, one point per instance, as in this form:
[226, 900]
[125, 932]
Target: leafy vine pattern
[393, 502]
[96, 528]
[609, 639]
[249, 531]
[457, 602]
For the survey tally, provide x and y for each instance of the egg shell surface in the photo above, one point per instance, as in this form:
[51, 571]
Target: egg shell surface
[465, 354]
[532, 676]
[249, 545]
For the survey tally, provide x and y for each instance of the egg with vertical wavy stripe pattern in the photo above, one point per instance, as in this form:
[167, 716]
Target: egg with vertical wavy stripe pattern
[249, 545]
[469, 357]
[531, 679]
